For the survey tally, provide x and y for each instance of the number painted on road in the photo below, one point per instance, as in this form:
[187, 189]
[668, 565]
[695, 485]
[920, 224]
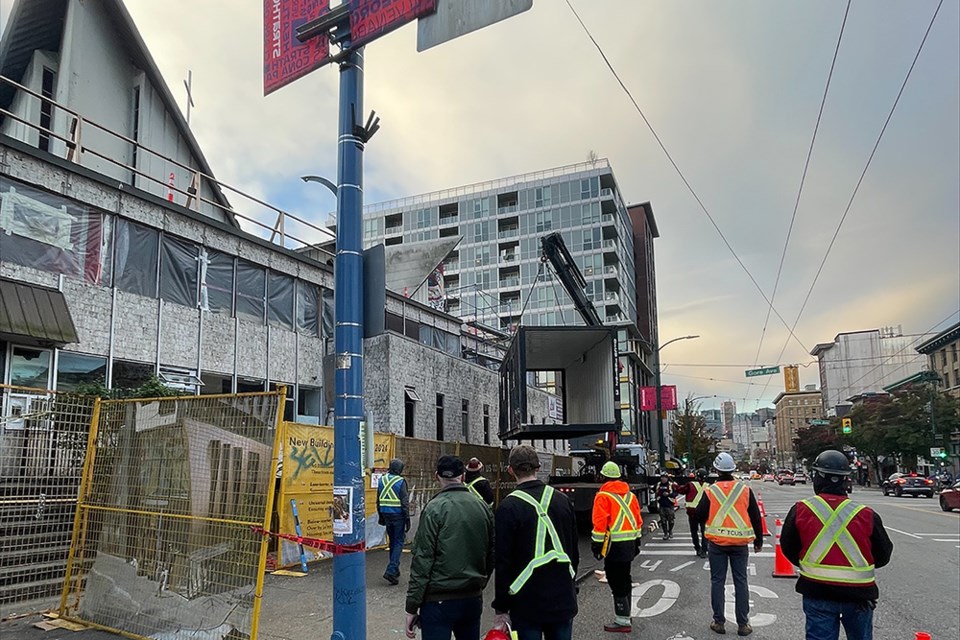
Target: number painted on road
[756, 619]
[671, 591]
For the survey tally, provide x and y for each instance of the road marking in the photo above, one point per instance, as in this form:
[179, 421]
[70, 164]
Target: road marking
[652, 567]
[752, 568]
[756, 619]
[927, 511]
[930, 535]
[682, 566]
[945, 540]
[645, 552]
[671, 591]
[675, 544]
[905, 533]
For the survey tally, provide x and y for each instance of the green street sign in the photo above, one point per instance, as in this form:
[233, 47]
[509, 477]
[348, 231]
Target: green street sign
[766, 371]
[820, 423]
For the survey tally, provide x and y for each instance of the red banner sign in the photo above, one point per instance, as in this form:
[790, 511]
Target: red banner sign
[668, 398]
[370, 19]
[284, 57]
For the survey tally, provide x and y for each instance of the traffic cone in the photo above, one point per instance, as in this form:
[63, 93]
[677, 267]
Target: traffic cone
[781, 566]
[763, 515]
[922, 635]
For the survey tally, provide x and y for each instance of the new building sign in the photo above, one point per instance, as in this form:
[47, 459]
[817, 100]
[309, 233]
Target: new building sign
[284, 57]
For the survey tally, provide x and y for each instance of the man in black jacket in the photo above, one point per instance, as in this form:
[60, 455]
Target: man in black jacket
[836, 561]
[539, 603]
[478, 485]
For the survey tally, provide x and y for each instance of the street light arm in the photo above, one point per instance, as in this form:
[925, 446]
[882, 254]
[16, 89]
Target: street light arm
[676, 340]
[329, 185]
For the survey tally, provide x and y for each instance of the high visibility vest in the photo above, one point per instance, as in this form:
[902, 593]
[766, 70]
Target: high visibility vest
[473, 489]
[544, 528]
[388, 494]
[729, 522]
[854, 568]
[625, 527]
[700, 487]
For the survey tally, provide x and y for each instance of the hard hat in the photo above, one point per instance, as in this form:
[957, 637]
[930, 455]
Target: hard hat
[701, 473]
[497, 634]
[832, 462]
[610, 469]
[724, 462]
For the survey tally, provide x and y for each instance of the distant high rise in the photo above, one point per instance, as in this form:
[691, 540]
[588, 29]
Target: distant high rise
[729, 408]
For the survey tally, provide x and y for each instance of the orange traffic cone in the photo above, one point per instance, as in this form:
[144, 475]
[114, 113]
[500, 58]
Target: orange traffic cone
[781, 566]
[763, 515]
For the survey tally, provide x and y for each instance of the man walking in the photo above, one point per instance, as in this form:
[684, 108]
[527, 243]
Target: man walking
[452, 560]
[731, 517]
[667, 504]
[393, 511]
[837, 545]
[537, 555]
[478, 485]
[692, 497]
[616, 540]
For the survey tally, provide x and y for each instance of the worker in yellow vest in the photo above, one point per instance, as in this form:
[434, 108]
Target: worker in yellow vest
[476, 483]
[693, 495]
[732, 521]
[393, 511]
[617, 527]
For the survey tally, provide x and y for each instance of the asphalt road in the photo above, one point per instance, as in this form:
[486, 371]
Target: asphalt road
[919, 590]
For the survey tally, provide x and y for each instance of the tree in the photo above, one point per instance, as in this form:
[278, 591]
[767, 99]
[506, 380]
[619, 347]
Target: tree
[690, 435]
[811, 440]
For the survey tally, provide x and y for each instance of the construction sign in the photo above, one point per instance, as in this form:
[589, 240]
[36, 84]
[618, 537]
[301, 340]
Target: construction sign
[306, 476]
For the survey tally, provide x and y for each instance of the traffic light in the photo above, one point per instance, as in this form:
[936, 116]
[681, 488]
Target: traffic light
[847, 425]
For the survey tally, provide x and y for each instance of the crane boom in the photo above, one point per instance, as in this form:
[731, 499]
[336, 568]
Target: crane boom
[555, 251]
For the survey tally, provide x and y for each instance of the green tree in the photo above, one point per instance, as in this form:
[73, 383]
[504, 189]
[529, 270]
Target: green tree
[811, 440]
[690, 435]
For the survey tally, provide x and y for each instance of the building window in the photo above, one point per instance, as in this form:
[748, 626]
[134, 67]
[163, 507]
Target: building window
[465, 420]
[486, 424]
[30, 367]
[216, 286]
[439, 417]
[74, 370]
[251, 284]
[46, 108]
[309, 404]
[280, 300]
[135, 261]
[130, 375]
[410, 399]
[179, 277]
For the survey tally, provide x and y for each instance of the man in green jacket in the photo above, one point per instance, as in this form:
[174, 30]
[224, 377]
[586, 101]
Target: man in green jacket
[452, 560]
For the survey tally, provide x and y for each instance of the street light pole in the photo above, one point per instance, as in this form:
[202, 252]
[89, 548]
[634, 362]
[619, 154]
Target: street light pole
[656, 381]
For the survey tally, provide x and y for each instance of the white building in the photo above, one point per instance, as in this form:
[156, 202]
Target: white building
[864, 362]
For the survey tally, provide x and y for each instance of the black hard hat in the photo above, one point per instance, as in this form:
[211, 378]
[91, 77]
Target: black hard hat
[701, 473]
[832, 462]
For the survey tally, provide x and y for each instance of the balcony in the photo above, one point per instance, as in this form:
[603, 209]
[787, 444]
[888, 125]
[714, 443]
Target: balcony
[510, 208]
[393, 230]
[508, 283]
[606, 192]
[509, 256]
[451, 265]
[508, 233]
[609, 245]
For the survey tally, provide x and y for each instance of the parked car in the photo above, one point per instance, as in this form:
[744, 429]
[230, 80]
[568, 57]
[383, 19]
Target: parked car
[744, 476]
[768, 477]
[785, 477]
[754, 475]
[800, 477]
[950, 497]
[910, 484]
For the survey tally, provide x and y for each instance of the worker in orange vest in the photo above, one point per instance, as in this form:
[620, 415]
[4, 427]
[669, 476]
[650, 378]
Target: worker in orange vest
[732, 521]
[837, 545]
[617, 527]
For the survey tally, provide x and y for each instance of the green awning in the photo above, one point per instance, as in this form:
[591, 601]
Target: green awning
[34, 315]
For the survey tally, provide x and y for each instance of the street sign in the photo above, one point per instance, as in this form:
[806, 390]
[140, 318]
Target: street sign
[455, 18]
[820, 423]
[766, 371]
[284, 57]
[936, 452]
[370, 19]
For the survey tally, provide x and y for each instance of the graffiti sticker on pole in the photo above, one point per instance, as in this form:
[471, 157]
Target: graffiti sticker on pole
[342, 511]
[284, 57]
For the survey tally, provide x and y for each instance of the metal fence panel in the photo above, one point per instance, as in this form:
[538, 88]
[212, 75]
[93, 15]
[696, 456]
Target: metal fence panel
[43, 438]
[163, 544]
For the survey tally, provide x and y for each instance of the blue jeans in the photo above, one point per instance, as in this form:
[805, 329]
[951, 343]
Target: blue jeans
[395, 524]
[824, 618]
[539, 631]
[459, 617]
[736, 556]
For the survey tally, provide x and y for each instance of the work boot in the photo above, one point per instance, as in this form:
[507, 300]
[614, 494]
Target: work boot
[621, 622]
[744, 630]
[717, 627]
[392, 579]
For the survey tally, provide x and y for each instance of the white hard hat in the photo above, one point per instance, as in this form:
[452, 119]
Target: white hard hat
[724, 462]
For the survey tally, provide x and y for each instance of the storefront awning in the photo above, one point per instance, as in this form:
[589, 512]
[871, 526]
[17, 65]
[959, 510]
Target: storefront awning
[34, 315]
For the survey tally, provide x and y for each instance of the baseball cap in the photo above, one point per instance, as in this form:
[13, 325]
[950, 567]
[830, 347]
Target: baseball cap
[449, 467]
[523, 456]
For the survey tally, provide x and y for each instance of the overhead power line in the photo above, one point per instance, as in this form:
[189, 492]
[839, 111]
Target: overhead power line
[680, 173]
[803, 178]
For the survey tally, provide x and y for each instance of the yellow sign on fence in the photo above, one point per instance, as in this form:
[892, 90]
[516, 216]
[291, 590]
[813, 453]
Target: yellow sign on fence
[307, 477]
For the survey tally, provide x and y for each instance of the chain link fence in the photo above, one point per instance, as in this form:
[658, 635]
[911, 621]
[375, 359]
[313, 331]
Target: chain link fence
[43, 437]
[162, 541]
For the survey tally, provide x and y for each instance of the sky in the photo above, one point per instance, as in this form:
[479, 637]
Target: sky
[733, 90]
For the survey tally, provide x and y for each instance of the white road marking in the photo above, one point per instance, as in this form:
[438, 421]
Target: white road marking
[646, 564]
[930, 535]
[689, 545]
[682, 566]
[945, 540]
[645, 552]
[756, 619]
[752, 568]
[671, 591]
[905, 533]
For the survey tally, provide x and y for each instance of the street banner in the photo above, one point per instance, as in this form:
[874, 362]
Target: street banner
[668, 398]
[307, 477]
[370, 19]
[284, 57]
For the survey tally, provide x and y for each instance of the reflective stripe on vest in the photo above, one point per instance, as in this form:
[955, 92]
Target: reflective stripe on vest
[717, 529]
[388, 497]
[834, 532]
[617, 532]
[544, 527]
[700, 486]
[473, 489]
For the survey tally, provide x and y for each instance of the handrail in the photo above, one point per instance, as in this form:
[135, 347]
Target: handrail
[193, 194]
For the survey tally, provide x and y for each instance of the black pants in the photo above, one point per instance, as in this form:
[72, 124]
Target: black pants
[696, 531]
[618, 577]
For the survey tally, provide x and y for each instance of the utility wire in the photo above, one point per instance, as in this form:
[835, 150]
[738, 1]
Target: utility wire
[803, 178]
[863, 173]
[682, 176]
